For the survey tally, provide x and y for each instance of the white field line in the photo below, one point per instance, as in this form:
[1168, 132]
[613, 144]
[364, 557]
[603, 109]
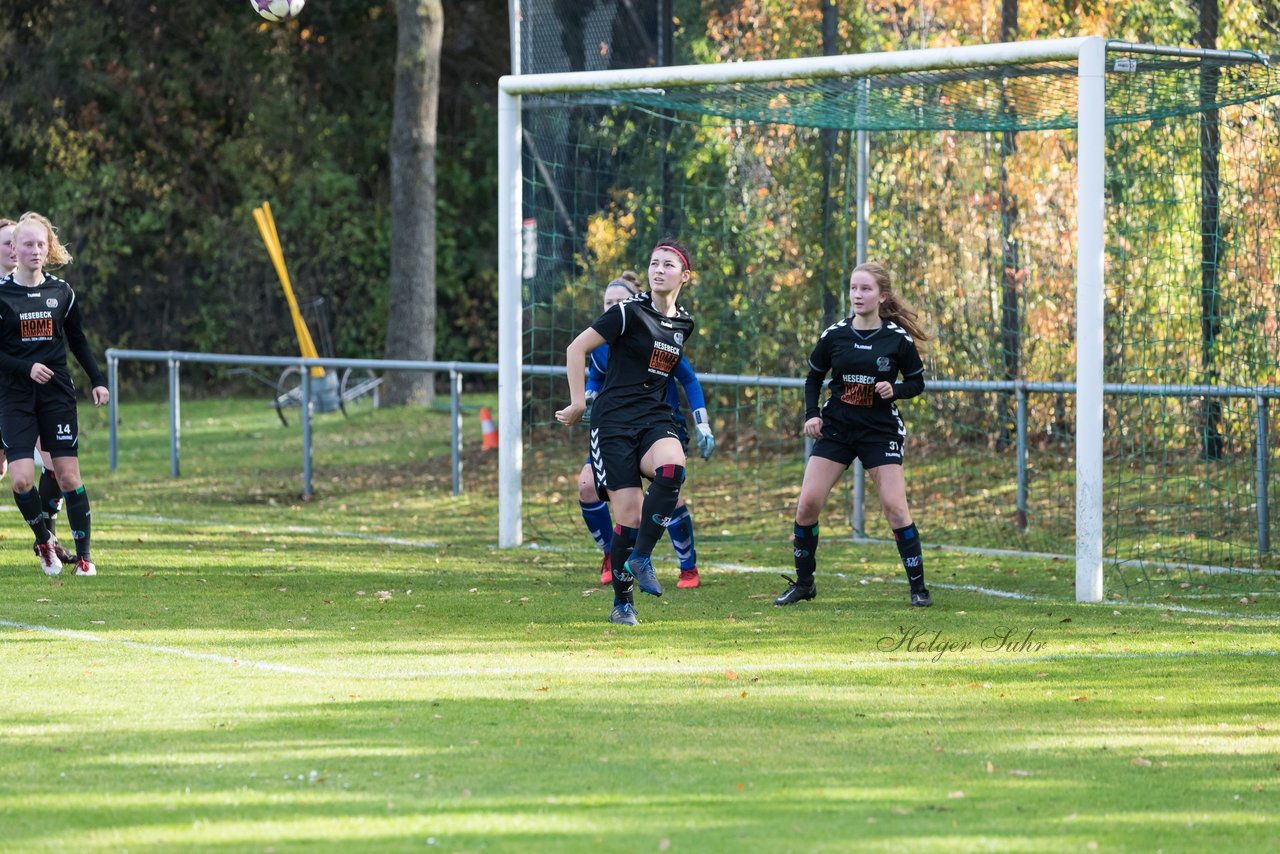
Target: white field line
[283, 529]
[90, 637]
[996, 659]
[729, 567]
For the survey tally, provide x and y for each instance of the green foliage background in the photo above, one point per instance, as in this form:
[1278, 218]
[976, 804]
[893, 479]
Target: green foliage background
[149, 132]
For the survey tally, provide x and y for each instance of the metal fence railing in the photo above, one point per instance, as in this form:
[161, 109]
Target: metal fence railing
[1021, 390]
[307, 395]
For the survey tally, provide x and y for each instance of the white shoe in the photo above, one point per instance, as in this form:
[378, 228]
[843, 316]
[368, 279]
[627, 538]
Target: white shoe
[85, 567]
[49, 562]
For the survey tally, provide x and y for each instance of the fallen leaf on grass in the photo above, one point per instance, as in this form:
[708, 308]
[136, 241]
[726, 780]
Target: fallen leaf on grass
[1079, 698]
[955, 795]
[1017, 772]
[1140, 762]
[729, 674]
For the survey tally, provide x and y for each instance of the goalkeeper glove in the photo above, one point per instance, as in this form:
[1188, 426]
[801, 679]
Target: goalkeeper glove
[706, 441]
[586, 413]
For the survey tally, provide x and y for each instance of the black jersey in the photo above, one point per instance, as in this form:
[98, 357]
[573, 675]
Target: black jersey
[41, 324]
[644, 349]
[857, 360]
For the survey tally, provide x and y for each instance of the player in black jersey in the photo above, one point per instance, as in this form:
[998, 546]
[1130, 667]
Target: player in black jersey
[595, 512]
[864, 354]
[50, 493]
[39, 323]
[633, 430]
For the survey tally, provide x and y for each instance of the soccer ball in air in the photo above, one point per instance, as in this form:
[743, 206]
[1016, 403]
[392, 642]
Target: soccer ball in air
[278, 10]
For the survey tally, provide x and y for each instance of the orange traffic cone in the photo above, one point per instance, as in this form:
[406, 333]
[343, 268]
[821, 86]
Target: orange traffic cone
[490, 432]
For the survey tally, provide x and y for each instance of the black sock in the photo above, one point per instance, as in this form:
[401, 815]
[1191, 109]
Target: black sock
[912, 555]
[50, 497]
[805, 543]
[29, 506]
[659, 503]
[624, 583]
[78, 519]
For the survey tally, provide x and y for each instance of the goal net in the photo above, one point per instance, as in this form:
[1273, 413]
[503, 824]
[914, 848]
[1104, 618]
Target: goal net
[967, 165]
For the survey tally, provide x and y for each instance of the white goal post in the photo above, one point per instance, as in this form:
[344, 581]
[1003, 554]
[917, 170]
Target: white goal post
[1089, 54]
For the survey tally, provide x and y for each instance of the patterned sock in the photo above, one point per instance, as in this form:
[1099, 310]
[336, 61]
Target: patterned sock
[624, 583]
[78, 518]
[50, 498]
[659, 500]
[805, 545]
[908, 539]
[681, 532]
[29, 506]
[599, 523]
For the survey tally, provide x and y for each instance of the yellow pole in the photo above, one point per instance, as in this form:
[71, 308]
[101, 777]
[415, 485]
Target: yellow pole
[271, 238]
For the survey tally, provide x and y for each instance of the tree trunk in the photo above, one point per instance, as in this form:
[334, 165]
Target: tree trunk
[411, 326]
[1210, 236]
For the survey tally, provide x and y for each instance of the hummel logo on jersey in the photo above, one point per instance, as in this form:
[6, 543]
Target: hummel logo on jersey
[668, 325]
[858, 346]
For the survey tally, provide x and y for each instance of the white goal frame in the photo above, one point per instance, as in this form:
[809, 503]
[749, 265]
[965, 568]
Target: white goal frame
[1088, 52]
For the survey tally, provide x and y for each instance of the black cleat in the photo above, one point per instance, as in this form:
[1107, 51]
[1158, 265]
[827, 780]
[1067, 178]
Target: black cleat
[921, 598]
[797, 592]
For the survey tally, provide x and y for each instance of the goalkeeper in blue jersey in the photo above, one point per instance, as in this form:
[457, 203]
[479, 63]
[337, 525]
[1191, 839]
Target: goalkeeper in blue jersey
[595, 512]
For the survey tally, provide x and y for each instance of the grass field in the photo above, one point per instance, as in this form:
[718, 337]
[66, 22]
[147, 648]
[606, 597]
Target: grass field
[367, 671]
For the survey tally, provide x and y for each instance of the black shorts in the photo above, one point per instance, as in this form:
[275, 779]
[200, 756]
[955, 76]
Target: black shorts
[875, 445]
[46, 412]
[681, 433]
[616, 453]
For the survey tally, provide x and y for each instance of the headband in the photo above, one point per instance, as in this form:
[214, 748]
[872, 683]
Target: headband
[675, 250]
[622, 283]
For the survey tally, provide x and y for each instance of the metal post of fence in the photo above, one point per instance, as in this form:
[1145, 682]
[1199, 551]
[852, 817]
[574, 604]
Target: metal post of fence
[306, 434]
[113, 412]
[175, 418]
[1021, 394]
[455, 413]
[1264, 464]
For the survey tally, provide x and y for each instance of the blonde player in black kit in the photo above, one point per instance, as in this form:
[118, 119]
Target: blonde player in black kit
[39, 323]
[864, 354]
[50, 493]
[633, 430]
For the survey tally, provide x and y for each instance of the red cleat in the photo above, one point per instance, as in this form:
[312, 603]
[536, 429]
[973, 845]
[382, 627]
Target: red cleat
[606, 569]
[689, 578]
